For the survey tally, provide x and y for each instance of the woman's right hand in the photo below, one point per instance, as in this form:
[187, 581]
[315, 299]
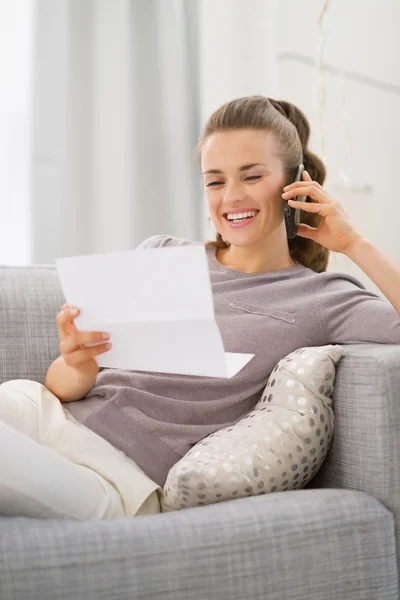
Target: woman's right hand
[74, 353]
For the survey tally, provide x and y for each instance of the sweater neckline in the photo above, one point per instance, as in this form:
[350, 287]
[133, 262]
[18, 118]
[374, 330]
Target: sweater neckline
[212, 253]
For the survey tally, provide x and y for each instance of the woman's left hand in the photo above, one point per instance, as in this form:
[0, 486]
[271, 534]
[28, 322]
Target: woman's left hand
[335, 231]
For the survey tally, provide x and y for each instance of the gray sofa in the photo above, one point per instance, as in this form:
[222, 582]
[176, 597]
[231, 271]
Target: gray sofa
[334, 539]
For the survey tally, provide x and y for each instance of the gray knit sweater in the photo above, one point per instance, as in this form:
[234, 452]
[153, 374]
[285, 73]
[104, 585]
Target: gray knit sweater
[155, 418]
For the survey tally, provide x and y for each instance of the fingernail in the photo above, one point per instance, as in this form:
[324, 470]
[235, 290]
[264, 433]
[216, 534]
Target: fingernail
[74, 311]
[105, 336]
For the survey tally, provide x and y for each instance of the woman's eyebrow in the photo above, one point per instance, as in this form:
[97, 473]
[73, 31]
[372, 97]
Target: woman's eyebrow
[242, 168]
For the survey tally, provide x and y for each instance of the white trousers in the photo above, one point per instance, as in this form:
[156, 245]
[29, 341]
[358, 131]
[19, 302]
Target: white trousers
[51, 466]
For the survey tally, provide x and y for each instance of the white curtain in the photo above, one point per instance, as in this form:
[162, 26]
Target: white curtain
[16, 29]
[115, 125]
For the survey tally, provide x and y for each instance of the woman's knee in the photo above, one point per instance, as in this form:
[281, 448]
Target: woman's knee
[18, 407]
[23, 388]
[17, 384]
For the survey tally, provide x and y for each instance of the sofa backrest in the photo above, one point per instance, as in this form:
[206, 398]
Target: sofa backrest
[30, 298]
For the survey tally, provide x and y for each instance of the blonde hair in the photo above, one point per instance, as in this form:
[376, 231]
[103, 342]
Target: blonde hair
[291, 130]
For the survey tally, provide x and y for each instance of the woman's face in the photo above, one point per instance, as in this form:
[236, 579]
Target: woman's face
[239, 187]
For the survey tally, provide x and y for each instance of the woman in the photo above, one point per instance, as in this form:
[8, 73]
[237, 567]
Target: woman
[123, 430]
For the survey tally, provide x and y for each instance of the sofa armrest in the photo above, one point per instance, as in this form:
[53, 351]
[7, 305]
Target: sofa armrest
[297, 544]
[365, 450]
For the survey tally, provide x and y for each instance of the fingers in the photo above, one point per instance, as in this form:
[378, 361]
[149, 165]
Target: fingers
[307, 181]
[311, 207]
[72, 341]
[65, 321]
[66, 314]
[76, 340]
[77, 357]
[307, 188]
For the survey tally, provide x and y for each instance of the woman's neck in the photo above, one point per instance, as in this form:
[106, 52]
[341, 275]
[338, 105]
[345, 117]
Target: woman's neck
[242, 259]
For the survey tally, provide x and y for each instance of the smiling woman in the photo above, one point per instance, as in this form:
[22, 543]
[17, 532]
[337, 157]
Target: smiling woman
[249, 150]
[110, 451]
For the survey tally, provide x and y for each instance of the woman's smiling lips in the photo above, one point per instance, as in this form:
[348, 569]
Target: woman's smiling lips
[242, 223]
[239, 210]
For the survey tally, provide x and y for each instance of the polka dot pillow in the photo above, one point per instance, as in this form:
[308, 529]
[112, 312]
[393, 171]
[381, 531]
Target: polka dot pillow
[278, 446]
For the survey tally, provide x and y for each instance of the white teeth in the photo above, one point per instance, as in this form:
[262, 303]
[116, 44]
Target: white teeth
[243, 215]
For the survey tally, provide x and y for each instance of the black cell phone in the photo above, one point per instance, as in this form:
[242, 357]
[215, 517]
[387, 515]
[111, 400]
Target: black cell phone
[293, 215]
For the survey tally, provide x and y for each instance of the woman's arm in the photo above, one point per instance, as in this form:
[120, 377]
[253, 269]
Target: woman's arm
[66, 382]
[380, 268]
[335, 232]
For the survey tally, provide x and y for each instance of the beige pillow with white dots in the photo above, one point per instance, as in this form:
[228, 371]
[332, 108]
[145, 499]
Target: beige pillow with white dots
[278, 446]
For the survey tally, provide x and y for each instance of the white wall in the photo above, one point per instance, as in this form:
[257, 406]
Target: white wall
[15, 133]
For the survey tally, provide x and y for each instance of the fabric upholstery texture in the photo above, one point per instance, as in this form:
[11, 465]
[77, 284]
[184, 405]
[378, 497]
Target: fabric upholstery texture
[297, 545]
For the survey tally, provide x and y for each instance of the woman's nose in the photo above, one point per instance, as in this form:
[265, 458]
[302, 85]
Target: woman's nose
[234, 191]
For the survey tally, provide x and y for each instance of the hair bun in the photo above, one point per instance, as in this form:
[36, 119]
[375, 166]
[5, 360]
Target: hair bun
[314, 166]
[295, 116]
[312, 163]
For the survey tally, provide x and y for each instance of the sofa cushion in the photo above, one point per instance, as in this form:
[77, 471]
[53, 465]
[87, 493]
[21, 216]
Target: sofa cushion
[280, 445]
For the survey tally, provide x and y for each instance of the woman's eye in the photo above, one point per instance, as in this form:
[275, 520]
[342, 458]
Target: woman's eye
[218, 182]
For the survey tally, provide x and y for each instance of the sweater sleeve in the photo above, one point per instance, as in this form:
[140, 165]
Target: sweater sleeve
[155, 241]
[159, 241]
[351, 314]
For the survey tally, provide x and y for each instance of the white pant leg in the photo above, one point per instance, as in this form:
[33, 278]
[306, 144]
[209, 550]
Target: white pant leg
[110, 484]
[37, 482]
